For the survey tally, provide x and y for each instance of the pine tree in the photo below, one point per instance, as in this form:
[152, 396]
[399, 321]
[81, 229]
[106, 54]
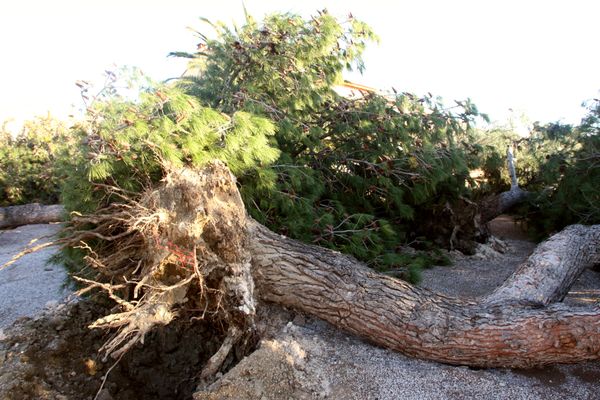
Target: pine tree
[352, 174]
[130, 145]
[568, 175]
[557, 163]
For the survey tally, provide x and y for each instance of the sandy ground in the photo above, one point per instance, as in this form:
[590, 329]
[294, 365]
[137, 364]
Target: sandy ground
[302, 357]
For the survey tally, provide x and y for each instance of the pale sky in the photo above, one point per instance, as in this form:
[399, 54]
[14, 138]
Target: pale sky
[536, 57]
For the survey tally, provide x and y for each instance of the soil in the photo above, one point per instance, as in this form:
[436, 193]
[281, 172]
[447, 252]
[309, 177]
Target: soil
[54, 355]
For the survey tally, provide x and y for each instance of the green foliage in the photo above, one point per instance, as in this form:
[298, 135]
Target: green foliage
[130, 144]
[357, 175]
[285, 64]
[491, 146]
[569, 179]
[32, 163]
[352, 174]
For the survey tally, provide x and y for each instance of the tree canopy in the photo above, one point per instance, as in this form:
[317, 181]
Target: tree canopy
[353, 173]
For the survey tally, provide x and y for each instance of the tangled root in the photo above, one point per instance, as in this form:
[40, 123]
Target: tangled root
[180, 246]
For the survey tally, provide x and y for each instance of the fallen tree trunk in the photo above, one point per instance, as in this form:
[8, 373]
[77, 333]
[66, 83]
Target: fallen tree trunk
[192, 240]
[416, 321]
[494, 205]
[461, 224]
[13, 216]
[552, 269]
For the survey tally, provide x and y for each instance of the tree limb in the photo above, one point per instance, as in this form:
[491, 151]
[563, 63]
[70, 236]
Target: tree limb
[13, 216]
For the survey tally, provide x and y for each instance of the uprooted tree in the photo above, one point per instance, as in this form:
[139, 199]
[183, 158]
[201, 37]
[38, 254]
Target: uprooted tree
[363, 175]
[559, 167]
[164, 236]
[165, 231]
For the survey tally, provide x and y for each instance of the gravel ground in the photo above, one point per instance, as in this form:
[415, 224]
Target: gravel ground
[488, 269]
[32, 283]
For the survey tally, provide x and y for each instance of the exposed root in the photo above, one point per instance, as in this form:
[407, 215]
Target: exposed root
[216, 361]
[133, 326]
[168, 251]
[105, 377]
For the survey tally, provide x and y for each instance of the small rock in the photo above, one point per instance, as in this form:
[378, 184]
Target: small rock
[90, 366]
[2, 334]
[288, 327]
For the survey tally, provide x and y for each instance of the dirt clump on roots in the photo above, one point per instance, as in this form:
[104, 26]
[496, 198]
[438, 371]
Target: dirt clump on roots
[56, 356]
[175, 251]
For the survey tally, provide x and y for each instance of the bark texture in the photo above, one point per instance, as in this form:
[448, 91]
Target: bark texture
[416, 321]
[497, 204]
[13, 216]
[554, 266]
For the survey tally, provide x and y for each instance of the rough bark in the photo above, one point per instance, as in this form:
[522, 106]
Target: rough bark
[416, 321]
[554, 266]
[497, 204]
[13, 216]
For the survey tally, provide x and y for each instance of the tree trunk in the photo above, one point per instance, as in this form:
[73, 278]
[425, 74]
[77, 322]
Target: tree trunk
[35, 213]
[554, 266]
[460, 225]
[416, 321]
[500, 203]
[497, 204]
